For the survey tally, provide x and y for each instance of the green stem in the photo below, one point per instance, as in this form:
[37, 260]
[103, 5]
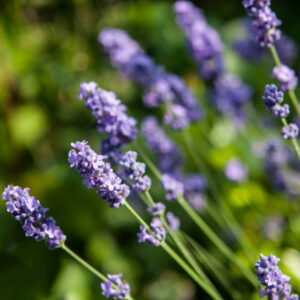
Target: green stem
[216, 240]
[202, 225]
[177, 240]
[220, 272]
[87, 265]
[177, 258]
[291, 93]
[275, 56]
[225, 211]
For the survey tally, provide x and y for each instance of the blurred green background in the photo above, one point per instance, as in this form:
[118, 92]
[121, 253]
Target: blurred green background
[47, 48]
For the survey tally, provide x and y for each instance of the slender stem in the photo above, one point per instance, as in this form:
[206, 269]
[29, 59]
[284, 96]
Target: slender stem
[87, 265]
[177, 258]
[294, 140]
[177, 240]
[220, 272]
[291, 93]
[275, 56]
[225, 211]
[219, 243]
[136, 215]
[294, 100]
[84, 263]
[216, 240]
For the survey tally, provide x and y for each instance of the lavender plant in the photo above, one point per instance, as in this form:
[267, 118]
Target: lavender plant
[32, 215]
[222, 256]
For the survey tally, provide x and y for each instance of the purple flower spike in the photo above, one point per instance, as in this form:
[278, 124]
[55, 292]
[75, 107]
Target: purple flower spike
[157, 235]
[157, 209]
[114, 287]
[111, 117]
[159, 87]
[29, 212]
[270, 276]
[134, 171]
[230, 96]
[169, 156]
[172, 187]
[286, 77]
[203, 41]
[98, 174]
[265, 22]
[173, 221]
[235, 171]
[291, 132]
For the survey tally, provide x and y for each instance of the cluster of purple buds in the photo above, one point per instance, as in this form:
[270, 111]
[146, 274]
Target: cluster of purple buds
[156, 236]
[250, 50]
[270, 276]
[169, 156]
[286, 77]
[203, 41]
[111, 118]
[114, 287]
[161, 89]
[272, 99]
[133, 172]
[172, 187]
[157, 209]
[235, 171]
[290, 132]
[230, 95]
[98, 174]
[173, 222]
[29, 212]
[264, 23]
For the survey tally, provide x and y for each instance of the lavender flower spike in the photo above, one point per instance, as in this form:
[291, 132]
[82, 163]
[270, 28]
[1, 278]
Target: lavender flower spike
[156, 236]
[110, 115]
[265, 22]
[286, 77]
[290, 132]
[134, 171]
[203, 41]
[98, 174]
[172, 187]
[270, 276]
[115, 288]
[169, 156]
[230, 96]
[29, 212]
[159, 86]
[173, 221]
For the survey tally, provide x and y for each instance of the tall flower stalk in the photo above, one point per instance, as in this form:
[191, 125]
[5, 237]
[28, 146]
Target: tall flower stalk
[99, 175]
[265, 31]
[32, 215]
